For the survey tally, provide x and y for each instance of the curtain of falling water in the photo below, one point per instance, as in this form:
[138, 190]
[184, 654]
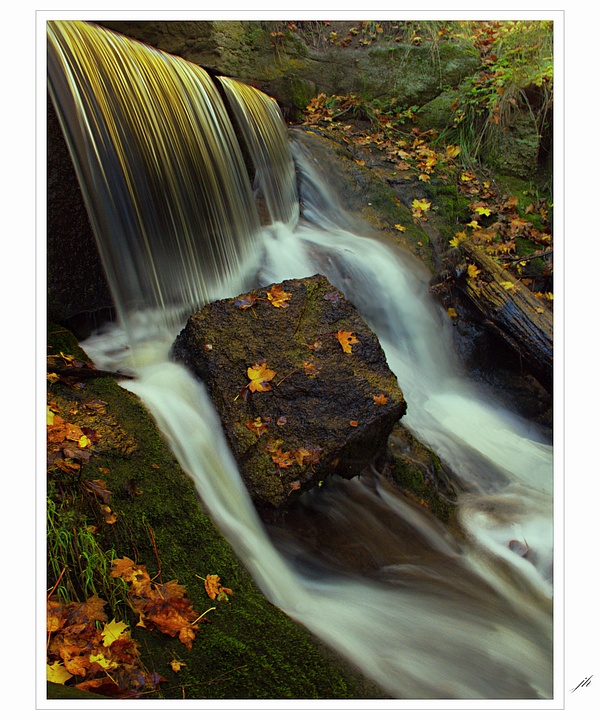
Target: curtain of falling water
[262, 126]
[451, 621]
[160, 167]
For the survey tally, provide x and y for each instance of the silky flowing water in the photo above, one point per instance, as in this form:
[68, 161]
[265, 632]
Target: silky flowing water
[173, 210]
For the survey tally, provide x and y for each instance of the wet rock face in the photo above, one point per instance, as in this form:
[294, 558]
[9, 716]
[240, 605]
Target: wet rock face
[300, 382]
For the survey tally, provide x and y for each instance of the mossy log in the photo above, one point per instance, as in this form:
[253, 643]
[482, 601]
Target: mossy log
[511, 311]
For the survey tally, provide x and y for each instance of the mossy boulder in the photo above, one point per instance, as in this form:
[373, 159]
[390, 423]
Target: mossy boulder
[316, 407]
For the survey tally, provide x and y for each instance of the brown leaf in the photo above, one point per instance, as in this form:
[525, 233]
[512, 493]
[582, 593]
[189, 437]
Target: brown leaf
[282, 459]
[278, 297]
[213, 587]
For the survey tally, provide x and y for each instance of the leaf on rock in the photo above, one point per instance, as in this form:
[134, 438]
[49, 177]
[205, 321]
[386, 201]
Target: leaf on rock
[346, 340]
[282, 459]
[260, 375]
[246, 302]
[380, 399]
[258, 426]
[310, 368]
[278, 297]
[302, 454]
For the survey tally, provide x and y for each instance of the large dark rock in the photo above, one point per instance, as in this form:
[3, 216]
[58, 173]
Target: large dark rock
[320, 410]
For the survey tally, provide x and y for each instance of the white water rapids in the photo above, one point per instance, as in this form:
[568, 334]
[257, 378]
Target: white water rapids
[449, 621]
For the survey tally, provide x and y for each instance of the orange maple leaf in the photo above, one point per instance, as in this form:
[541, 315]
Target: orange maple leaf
[282, 459]
[301, 454]
[346, 340]
[258, 426]
[213, 587]
[259, 378]
[380, 399]
[278, 297]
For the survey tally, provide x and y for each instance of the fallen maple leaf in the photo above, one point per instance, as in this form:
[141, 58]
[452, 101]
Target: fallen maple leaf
[452, 150]
[57, 673]
[282, 459]
[301, 454]
[278, 297]
[380, 399]
[473, 271]
[112, 631]
[310, 368]
[346, 340]
[213, 587]
[176, 665]
[354, 423]
[246, 302]
[421, 205]
[259, 378]
[258, 426]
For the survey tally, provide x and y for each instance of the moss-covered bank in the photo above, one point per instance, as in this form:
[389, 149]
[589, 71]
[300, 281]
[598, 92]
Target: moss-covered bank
[250, 649]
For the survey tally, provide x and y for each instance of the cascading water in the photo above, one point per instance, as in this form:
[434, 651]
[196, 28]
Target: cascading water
[432, 618]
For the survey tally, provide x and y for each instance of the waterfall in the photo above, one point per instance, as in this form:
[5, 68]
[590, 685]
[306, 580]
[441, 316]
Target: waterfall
[160, 168]
[151, 142]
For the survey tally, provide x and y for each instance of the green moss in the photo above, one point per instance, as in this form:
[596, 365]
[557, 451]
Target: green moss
[419, 473]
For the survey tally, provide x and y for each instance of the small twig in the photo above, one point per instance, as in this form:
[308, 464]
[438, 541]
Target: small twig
[85, 372]
[287, 376]
[57, 583]
[203, 614]
[531, 257]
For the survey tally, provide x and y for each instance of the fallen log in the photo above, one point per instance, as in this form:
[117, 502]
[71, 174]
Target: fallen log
[511, 311]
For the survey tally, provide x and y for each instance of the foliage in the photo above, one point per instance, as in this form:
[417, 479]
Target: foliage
[516, 71]
[515, 228]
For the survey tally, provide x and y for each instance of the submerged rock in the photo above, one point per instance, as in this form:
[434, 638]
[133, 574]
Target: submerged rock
[300, 382]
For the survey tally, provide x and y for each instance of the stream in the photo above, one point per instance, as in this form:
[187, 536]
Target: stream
[384, 584]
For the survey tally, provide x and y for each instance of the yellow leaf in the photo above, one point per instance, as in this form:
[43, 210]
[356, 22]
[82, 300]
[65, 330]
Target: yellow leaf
[473, 271]
[483, 211]
[422, 204]
[452, 150]
[539, 310]
[103, 661]
[57, 673]
[346, 340]
[451, 312]
[83, 441]
[507, 285]
[278, 297]
[400, 228]
[49, 416]
[474, 224]
[176, 665]
[259, 378]
[458, 238]
[423, 177]
[113, 631]
[52, 377]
